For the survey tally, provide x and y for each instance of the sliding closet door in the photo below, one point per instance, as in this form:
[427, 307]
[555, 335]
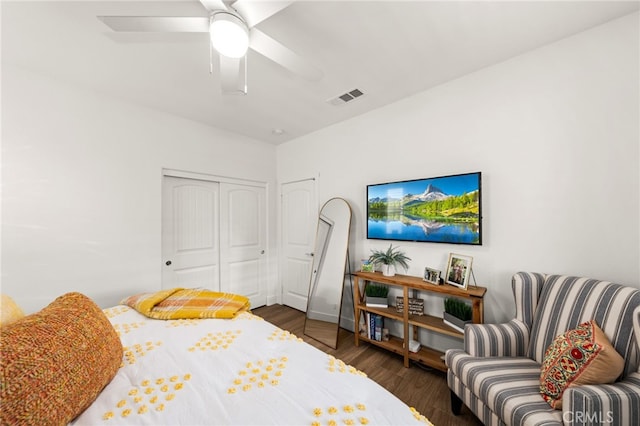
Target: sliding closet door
[190, 238]
[243, 235]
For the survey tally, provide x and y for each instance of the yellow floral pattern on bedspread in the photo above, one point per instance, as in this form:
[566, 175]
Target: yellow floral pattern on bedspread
[149, 394]
[339, 366]
[217, 341]
[115, 311]
[257, 375]
[133, 353]
[349, 414]
[127, 327]
[419, 416]
[183, 323]
[283, 335]
[247, 315]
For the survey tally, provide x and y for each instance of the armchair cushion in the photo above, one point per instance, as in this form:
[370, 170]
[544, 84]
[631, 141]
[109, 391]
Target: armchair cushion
[582, 356]
[618, 403]
[510, 386]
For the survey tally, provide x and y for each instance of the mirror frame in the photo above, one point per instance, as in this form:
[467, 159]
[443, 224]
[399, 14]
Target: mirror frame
[309, 329]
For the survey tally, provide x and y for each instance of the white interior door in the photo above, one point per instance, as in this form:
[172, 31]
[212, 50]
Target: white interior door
[299, 220]
[243, 236]
[190, 239]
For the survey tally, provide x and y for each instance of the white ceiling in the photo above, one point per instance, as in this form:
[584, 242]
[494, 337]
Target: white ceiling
[388, 49]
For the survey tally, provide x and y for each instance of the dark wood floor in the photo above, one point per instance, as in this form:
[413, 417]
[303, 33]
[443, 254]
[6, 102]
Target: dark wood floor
[418, 387]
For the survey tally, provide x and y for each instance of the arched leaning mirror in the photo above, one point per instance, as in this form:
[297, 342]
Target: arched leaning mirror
[328, 272]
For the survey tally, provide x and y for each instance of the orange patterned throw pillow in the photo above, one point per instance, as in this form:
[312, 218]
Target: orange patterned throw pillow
[54, 363]
[582, 356]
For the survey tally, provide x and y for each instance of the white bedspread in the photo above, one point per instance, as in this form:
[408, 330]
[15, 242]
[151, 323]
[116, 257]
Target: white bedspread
[243, 371]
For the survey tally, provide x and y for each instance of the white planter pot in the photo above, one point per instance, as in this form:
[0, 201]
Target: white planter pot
[388, 270]
[455, 322]
[380, 302]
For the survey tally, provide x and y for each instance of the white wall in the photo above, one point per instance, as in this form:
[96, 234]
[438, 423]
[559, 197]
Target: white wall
[555, 133]
[81, 188]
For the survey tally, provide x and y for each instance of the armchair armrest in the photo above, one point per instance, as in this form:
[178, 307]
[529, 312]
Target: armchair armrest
[615, 404]
[508, 339]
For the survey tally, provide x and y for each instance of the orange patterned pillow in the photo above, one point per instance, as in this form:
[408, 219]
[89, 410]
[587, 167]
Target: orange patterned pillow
[54, 363]
[582, 356]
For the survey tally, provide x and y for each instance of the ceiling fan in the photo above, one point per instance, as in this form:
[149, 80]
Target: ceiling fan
[231, 28]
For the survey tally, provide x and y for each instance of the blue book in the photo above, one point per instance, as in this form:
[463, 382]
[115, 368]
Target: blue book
[378, 327]
[372, 326]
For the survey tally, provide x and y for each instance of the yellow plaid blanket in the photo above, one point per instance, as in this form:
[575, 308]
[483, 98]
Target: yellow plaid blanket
[186, 303]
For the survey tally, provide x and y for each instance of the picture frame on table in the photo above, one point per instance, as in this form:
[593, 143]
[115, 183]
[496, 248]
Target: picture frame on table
[458, 270]
[366, 266]
[431, 275]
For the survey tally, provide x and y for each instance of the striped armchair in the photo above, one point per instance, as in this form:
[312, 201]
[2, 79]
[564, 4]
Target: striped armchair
[497, 375]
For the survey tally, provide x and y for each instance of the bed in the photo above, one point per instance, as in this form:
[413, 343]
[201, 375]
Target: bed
[237, 371]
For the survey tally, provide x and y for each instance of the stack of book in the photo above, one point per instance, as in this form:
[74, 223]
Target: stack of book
[375, 324]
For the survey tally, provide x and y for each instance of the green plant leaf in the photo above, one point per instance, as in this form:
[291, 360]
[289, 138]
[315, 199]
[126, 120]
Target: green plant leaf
[458, 308]
[377, 290]
[390, 256]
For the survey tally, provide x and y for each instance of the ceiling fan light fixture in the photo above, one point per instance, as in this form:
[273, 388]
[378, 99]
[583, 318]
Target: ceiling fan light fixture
[229, 34]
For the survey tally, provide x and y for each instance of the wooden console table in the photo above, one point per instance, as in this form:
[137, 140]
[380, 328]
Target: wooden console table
[400, 345]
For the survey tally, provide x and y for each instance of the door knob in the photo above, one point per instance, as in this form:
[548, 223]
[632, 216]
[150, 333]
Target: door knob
[309, 254]
[168, 262]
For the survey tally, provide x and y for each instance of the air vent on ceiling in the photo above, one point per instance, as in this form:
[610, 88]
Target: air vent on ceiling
[346, 97]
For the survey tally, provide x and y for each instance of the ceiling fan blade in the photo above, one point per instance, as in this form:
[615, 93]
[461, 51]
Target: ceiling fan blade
[212, 5]
[255, 12]
[283, 56]
[159, 24]
[233, 75]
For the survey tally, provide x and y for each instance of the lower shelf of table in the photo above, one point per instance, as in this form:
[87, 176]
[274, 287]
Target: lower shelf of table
[426, 356]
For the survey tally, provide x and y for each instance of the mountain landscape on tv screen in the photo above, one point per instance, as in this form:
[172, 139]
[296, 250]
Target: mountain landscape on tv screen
[432, 215]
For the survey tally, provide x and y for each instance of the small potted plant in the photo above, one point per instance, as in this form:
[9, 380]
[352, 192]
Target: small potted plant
[376, 295]
[457, 313]
[388, 259]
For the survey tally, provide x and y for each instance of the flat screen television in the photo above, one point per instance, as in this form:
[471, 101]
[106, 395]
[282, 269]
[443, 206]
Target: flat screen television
[445, 209]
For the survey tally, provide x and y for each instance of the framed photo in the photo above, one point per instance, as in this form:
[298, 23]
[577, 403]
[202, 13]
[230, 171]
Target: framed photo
[431, 275]
[458, 270]
[367, 266]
